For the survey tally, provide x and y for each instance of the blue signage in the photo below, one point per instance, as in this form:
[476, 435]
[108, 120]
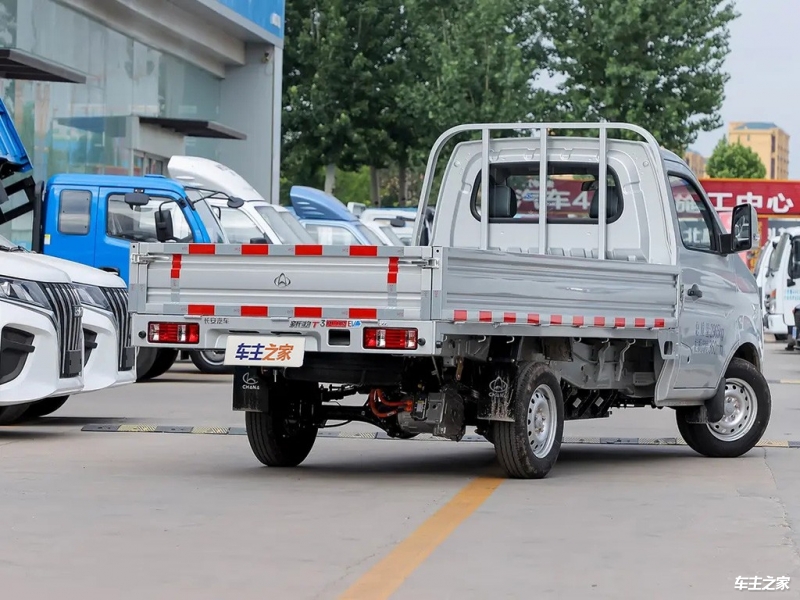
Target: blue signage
[267, 14]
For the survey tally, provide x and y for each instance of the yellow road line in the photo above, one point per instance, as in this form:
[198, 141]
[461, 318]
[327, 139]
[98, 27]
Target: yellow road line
[383, 579]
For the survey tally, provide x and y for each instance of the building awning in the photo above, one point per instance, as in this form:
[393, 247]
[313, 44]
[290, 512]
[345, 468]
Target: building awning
[195, 128]
[18, 64]
[115, 126]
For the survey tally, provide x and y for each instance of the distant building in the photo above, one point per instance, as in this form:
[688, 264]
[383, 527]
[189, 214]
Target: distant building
[769, 141]
[697, 163]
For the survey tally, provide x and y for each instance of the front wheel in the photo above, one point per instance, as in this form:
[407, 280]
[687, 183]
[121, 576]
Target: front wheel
[528, 447]
[781, 337]
[748, 405]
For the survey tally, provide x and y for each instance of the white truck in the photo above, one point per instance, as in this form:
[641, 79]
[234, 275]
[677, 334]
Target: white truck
[781, 293]
[514, 316]
[108, 356]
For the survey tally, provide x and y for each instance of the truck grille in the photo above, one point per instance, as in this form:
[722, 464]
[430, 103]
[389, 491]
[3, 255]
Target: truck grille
[118, 299]
[66, 305]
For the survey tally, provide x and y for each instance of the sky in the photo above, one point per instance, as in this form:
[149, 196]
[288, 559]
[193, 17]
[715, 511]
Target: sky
[764, 65]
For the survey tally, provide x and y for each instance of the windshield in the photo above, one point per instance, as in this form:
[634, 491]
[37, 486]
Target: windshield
[372, 238]
[775, 259]
[215, 233]
[285, 224]
[238, 226]
[766, 253]
[388, 231]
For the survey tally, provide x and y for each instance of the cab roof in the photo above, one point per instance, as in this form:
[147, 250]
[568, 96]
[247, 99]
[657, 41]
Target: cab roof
[146, 182]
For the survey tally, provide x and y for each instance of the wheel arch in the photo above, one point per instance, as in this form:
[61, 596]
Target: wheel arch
[746, 351]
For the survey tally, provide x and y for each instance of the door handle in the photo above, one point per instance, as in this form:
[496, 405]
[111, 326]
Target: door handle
[695, 292]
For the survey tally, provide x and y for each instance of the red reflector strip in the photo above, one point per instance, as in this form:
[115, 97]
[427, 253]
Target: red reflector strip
[660, 323]
[201, 310]
[308, 312]
[202, 249]
[619, 322]
[363, 251]
[555, 320]
[599, 321]
[308, 250]
[175, 272]
[638, 322]
[394, 267]
[533, 319]
[251, 249]
[577, 321]
[460, 315]
[485, 316]
[509, 317]
[363, 313]
[255, 311]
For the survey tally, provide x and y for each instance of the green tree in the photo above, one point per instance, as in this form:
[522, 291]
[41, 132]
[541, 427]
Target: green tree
[649, 62]
[735, 161]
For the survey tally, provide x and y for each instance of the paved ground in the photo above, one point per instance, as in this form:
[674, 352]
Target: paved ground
[157, 515]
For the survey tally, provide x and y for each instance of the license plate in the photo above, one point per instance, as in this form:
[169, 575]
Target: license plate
[265, 350]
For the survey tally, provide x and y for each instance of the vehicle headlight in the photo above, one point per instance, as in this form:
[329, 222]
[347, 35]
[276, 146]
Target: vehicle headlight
[22, 290]
[91, 295]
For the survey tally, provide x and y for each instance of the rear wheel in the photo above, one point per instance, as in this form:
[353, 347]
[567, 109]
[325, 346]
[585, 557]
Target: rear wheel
[748, 404]
[165, 358]
[781, 337]
[528, 447]
[284, 436]
[210, 362]
[145, 359]
[9, 415]
[45, 407]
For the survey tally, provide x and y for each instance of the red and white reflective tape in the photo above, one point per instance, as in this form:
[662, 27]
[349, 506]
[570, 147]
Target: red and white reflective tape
[278, 312]
[515, 318]
[274, 250]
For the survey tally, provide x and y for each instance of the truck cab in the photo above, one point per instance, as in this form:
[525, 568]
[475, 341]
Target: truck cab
[781, 292]
[328, 220]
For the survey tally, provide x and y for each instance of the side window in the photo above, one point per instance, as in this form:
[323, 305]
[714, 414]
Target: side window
[74, 212]
[138, 223]
[238, 226]
[694, 215]
[329, 235]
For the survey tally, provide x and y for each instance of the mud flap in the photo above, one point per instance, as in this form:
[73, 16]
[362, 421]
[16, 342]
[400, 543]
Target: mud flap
[495, 404]
[250, 390]
[711, 411]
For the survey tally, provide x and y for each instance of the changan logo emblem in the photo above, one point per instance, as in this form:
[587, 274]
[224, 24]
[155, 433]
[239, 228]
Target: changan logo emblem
[282, 281]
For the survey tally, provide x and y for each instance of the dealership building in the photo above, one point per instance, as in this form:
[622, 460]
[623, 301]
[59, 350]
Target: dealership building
[117, 87]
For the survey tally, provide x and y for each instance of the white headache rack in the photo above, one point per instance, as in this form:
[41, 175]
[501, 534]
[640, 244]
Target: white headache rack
[486, 129]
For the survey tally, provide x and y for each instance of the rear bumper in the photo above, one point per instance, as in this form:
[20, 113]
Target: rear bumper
[775, 324]
[101, 368]
[31, 361]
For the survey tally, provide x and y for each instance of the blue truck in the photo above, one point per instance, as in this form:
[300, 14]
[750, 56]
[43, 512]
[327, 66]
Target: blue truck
[92, 219]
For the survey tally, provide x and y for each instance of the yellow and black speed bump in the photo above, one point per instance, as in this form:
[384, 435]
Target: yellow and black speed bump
[380, 435]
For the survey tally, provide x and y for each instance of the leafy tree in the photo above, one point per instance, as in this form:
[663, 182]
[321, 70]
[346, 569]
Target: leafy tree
[652, 63]
[735, 161]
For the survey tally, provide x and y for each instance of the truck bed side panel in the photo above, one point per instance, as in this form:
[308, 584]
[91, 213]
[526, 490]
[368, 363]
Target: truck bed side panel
[489, 286]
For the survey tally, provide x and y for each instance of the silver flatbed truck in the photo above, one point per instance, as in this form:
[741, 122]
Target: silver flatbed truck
[510, 314]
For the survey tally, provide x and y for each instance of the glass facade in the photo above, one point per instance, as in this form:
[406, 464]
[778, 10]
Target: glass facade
[82, 128]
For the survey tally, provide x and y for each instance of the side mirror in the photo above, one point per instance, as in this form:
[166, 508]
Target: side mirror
[164, 231]
[136, 199]
[235, 202]
[744, 233]
[790, 282]
[397, 222]
[259, 240]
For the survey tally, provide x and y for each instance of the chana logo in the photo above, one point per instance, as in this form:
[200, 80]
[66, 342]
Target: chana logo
[282, 281]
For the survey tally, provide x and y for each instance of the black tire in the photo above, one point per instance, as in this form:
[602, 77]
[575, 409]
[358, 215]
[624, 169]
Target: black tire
[165, 358]
[14, 413]
[744, 433]
[41, 408]
[145, 359]
[273, 445]
[205, 364]
[781, 337]
[276, 440]
[512, 443]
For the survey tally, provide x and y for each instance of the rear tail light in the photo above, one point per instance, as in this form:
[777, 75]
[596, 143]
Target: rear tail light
[381, 338]
[173, 333]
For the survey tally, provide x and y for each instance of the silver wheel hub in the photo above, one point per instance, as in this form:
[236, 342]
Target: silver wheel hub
[541, 421]
[741, 410]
